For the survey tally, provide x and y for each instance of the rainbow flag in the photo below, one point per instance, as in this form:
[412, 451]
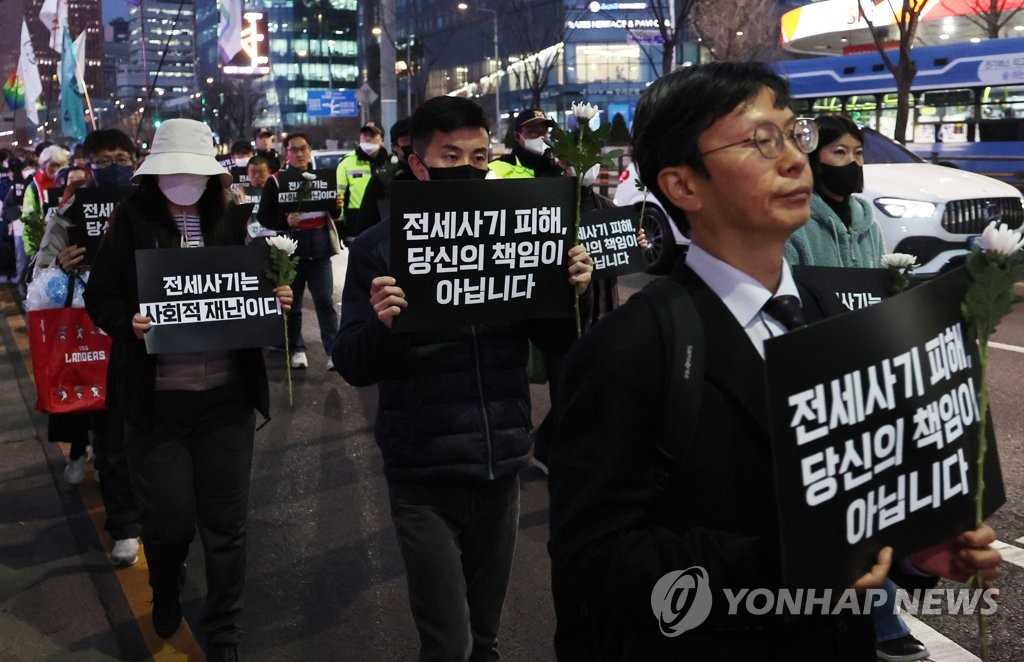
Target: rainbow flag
[14, 91]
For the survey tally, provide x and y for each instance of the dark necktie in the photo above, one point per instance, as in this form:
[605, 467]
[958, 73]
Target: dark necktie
[786, 309]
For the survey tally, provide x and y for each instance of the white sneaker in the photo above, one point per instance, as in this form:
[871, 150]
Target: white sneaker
[299, 360]
[125, 552]
[74, 472]
[330, 364]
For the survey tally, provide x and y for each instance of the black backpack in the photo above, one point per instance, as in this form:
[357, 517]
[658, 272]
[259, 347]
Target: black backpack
[581, 625]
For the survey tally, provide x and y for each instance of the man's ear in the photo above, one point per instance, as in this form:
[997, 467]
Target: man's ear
[418, 167]
[681, 186]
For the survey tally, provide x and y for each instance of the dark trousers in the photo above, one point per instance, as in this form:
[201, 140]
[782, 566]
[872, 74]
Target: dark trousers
[115, 476]
[458, 540]
[192, 468]
[317, 274]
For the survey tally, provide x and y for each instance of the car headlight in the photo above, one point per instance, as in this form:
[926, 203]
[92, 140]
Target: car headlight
[900, 208]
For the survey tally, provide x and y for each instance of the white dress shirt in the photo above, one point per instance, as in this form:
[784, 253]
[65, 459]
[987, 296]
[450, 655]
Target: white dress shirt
[742, 295]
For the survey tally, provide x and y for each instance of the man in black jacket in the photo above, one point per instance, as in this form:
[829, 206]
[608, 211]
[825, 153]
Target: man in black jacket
[453, 414]
[699, 133]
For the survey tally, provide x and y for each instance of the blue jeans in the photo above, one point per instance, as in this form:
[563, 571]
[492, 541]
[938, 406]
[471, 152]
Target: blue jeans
[457, 540]
[319, 276]
[888, 624]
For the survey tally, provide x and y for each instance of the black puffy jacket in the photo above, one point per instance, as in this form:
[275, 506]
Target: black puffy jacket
[453, 404]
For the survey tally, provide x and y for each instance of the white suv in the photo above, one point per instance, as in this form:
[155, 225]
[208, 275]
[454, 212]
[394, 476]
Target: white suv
[930, 211]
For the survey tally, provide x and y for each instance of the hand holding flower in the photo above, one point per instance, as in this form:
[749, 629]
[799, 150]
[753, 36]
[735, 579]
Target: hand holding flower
[284, 296]
[581, 267]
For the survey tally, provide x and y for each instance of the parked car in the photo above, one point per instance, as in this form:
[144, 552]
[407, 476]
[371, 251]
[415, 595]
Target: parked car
[664, 240]
[327, 159]
[931, 211]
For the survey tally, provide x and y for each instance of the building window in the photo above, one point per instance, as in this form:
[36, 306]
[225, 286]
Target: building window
[599, 63]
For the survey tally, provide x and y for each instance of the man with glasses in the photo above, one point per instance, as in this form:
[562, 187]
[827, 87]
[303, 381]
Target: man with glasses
[634, 496]
[312, 231]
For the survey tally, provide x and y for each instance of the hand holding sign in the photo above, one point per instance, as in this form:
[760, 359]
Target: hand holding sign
[141, 325]
[70, 257]
[387, 299]
[580, 268]
[960, 558]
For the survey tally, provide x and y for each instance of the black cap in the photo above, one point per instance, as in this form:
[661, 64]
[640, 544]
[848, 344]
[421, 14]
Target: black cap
[531, 117]
[264, 133]
[241, 147]
[402, 127]
[372, 127]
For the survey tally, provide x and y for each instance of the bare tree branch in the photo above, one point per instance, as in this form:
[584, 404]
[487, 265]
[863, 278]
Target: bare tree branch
[738, 30]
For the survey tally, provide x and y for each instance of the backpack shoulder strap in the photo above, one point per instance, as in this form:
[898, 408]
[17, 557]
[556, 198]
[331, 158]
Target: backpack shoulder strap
[682, 339]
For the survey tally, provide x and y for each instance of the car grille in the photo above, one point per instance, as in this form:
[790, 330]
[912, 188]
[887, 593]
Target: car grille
[971, 216]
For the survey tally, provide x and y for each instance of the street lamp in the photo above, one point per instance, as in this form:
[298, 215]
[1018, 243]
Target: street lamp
[497, 67]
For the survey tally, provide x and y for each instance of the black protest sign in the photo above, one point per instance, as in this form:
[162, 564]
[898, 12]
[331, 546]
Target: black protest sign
[310, 190]
[89, 212]
[52, 198]
[609, 235]
[203, 299]
[875, 435]
[855, 288]
[467, 252]
[239, 175]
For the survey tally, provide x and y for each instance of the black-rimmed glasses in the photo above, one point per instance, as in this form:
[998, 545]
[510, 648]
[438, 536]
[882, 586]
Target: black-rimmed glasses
[770, 140]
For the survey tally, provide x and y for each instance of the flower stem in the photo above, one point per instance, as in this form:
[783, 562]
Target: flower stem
[287, 359]
[576, 240]
[979, 493]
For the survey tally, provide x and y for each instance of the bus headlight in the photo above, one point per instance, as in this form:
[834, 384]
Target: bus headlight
[900, 208]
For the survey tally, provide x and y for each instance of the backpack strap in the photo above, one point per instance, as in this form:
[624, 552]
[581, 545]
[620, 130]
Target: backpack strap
[682, 337]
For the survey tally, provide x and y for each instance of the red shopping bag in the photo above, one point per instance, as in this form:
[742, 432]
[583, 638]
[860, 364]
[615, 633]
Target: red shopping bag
[69, 360]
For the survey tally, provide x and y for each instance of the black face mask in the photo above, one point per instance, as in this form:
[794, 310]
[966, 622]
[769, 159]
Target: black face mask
[458, 172]
[113, 175]
[843, 180]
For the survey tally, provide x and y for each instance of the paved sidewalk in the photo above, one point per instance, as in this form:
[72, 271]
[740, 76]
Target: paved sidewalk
[58, 592]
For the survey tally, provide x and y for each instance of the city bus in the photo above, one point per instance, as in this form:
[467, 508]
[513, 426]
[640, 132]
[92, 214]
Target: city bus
[966, 103]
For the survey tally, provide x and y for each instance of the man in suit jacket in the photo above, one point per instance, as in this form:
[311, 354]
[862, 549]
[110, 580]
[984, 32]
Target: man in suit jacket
[720, 148]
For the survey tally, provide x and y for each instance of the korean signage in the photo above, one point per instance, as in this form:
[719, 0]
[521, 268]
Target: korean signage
[468, 252]
[855, 288]
[875, 440]
[610, 237]
[297, 193]
[208, 299]
[89, 213]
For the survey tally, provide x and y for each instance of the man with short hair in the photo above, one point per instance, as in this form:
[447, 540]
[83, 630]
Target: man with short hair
[312, 231]
[257, 169]
[354, 173]
[718, 145]
[453, 415]
[530, 156]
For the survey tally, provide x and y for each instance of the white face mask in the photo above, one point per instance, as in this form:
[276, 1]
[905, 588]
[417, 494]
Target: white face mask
[590, 176]
[369, 148]
[535, 145]
[241, 161]
[183, 189]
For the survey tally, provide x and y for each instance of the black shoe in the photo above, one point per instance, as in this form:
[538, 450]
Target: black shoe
[222, 653]
[903, 649]
[166, 615]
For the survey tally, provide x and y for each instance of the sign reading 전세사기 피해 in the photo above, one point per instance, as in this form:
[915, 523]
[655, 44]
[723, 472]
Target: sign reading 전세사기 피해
[610, 237]
[467, 252]
[208, 299]
[874, 422]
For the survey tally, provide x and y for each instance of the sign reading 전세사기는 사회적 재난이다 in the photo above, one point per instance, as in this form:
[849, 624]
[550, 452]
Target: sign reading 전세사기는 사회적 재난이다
[296, 193]
[208, 299]
[874, 423]
[468, 252]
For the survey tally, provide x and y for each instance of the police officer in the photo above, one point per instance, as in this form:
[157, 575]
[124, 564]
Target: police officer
[529, 157]
[354, 172]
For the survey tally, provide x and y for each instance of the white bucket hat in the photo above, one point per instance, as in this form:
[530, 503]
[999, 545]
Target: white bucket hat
[183, 146]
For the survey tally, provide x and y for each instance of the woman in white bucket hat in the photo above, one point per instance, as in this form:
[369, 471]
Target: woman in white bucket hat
[189, 418]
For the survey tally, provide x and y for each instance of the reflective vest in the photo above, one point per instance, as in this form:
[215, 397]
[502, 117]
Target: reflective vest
[353, 176]
[505, 170]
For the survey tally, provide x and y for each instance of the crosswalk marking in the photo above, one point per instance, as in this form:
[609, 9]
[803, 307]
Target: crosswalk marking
[1009, 348]
[940, 648]
[1011, 553]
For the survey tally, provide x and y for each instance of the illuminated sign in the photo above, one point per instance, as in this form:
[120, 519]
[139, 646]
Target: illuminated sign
[615, 6]
[621, 24]
[254, 58]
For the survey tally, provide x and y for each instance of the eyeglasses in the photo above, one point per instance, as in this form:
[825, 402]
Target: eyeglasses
[299, 150]
[107, 161]
[770, 140]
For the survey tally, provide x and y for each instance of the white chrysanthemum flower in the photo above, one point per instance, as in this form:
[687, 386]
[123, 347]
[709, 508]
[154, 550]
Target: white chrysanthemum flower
[308, 176]
[899, 260]
[998, 238]
[282, 243]
[584, 111]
